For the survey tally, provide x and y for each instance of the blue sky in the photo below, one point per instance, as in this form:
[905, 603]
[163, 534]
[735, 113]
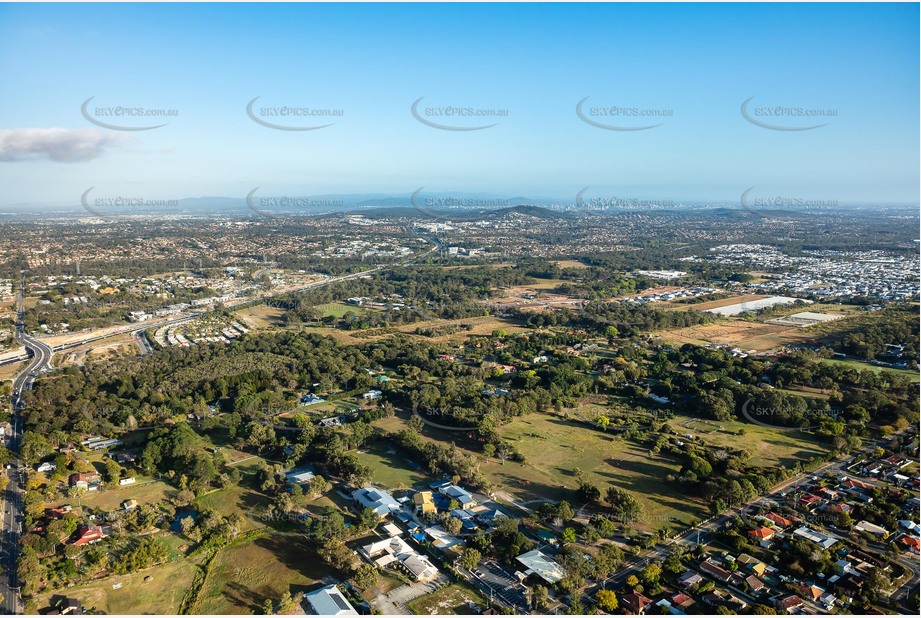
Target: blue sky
[535, 61]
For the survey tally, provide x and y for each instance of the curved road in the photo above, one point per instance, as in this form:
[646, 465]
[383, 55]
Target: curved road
[12, 519]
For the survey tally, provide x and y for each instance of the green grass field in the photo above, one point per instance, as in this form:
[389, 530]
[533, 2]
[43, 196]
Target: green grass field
[389, 469]
[337, 310]
[914, 376]
[243, 576]
[768, 446]
[453, 599]
[161, 595]
[554, 448]
[145, 492]
[242, 498]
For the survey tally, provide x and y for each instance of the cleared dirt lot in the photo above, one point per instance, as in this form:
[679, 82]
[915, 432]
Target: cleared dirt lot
[739, 333]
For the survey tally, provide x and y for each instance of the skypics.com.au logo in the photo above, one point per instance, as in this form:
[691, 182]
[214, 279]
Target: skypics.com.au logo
[124, 117]
[784, 117]
[271, 207]
[586, 203]
[290, 117]
[122, 205]
[620, 118]
[455, 117]
[784, 417]
[762, 206]
[433, 206]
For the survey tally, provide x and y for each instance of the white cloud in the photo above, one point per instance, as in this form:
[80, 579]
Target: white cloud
[60, 145]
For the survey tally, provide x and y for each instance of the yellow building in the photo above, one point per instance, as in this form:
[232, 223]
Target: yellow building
[424, 503]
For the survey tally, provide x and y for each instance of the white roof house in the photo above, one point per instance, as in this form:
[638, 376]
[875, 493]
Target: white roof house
[376, 499]
[328, 601]
[420, 567]
[823, 540]
[865, 526]
[440, 538]
[393, 545]
[543, 566]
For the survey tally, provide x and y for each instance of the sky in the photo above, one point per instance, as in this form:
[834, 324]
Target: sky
[686, 68]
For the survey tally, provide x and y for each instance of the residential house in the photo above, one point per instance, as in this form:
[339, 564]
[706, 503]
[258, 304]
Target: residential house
[725, 599]
[666, 606]
[823, 540]
[778, 520]
[424, 504]
[87, 535]
[125, 458]
[310, 399]
[85, 480]
[453, 492]
[714, 570]
[809, 501]
[537, 563]
[807, 591]
[869, 528]
[682, 601]
[420, 567]
[440, 539]
[755, 585]
[329, 601]
[690, 579]
[789, 603]
[377, 500]
[761, 534]
[753, 564]
[46, 466]
[912, 543]
[636, 603]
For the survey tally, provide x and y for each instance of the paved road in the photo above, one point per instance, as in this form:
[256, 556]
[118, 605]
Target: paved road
[41, 354]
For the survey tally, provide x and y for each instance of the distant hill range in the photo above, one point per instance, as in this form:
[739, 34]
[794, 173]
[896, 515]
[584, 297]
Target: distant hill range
[455, 206]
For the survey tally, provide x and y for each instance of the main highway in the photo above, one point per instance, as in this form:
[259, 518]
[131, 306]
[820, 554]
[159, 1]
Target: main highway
[39, 362]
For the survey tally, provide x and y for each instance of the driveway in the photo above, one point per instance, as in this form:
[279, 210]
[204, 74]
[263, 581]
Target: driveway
[394, 602]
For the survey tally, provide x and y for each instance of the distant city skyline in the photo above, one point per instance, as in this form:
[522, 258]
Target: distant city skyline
[810, 102]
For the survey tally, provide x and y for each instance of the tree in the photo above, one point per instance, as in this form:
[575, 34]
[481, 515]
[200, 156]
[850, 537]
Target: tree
[627, 508]
[470, 558]
[186, 524]
[673, 564]
[452, 525]
[318, 486]
[575, 605]
[606, 600]
[361, 431]
[366, 576]
[286, 603]
[569, 535]
[564, 511]
[632, 581]
[368, 519]
[538, 596]
[651, 574]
